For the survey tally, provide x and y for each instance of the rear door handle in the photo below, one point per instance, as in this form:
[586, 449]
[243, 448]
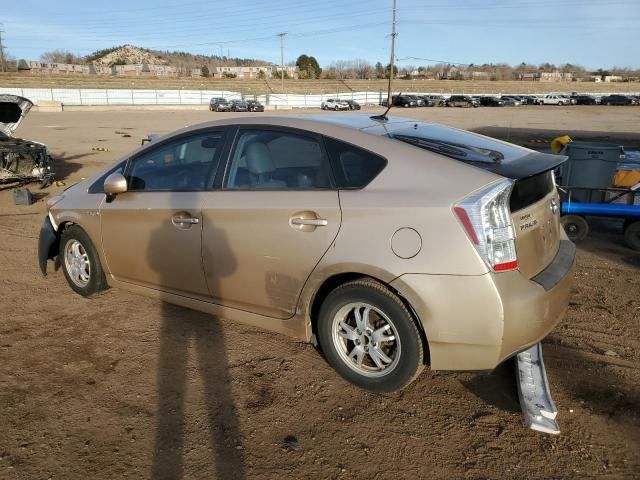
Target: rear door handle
[184, 220]
[307, 221]
[317, 222]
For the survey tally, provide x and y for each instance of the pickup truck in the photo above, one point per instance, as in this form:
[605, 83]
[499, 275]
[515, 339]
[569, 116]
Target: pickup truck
[553, 100]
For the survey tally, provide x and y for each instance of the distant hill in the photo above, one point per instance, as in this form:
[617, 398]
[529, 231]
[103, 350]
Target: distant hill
[128, 54]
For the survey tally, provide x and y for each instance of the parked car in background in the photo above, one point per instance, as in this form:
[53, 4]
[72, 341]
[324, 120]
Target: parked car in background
[553, 99]
[435, 100]
[491, 102]
[239, 106]
[462, 101]
[616, 100]
[585, 100]
[529, 100]
[334, 104]
[353, 105]
[419, 100]
[218, 104]
[356, 234]
[570, 100]
[255, 106]
[510, 101]
[404, 101]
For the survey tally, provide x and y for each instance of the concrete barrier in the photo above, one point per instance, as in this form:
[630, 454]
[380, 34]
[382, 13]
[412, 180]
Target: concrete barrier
[49, 106]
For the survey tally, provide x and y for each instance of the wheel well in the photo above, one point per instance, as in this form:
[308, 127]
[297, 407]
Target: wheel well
[335, 281]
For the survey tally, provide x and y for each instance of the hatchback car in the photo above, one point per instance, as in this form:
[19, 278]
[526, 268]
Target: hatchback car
[357, 234]
[239, 106]
[462, 101]
[255, 106]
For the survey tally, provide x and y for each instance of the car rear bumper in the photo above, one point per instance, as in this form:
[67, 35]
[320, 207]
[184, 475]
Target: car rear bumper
[476, 322]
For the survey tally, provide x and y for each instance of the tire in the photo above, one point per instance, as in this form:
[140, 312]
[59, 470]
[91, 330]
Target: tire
[632, 235]
[576, 227]
[86, 276]
[560, 104]
[336, 108]
[388, 317]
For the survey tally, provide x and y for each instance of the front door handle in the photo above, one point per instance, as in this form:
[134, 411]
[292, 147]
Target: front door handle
[184, 220]
[307, 221]
[190, 220]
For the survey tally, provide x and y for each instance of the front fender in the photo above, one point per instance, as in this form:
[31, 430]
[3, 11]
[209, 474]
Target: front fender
[48, 244]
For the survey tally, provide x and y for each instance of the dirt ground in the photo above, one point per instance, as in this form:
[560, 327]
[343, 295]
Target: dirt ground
[121, 386]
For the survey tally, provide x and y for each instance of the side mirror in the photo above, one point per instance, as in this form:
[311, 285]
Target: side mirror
[114, 184]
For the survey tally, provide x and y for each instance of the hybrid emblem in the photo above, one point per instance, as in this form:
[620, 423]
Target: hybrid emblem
[554, 206]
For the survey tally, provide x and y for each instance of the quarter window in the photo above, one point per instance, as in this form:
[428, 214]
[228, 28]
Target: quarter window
[353, 167]
[186, 164]
[266, 159]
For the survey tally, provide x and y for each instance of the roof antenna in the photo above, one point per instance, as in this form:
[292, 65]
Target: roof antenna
[391, 68]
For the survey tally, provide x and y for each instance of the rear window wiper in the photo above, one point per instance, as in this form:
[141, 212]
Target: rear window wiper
[459, 151]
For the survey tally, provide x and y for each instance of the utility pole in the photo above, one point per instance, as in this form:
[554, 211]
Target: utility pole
[281, 35]
[393, 54]
[2, 66]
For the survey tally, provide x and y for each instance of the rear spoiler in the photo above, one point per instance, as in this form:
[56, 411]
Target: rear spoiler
[526, 166]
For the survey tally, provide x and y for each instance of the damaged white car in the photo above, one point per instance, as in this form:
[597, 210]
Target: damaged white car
[21, 161]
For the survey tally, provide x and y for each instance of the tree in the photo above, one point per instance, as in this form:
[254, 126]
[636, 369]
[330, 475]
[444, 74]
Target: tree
[261, 75]
[380, 71]
[61, 56]
[308, 66]
[388, 69]
[204, 71]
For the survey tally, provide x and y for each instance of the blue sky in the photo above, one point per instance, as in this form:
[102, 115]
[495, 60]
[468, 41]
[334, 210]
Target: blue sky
[593, 33]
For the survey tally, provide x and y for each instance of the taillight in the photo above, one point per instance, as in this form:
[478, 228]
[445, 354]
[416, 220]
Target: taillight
[486, 218]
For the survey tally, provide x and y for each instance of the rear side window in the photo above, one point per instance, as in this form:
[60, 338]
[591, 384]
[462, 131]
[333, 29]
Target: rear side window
[353, 167]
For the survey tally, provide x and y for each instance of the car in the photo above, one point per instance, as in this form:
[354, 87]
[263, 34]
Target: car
[553, 99]
[570, 100]
[255, 106]
[434, 100]
[404, 101]
[510, 101]
[529, 100]
[462, 101]
[616, 100]
[218, 104]
[419, 100]
[239, 106]
[334, 104]
[585, 100]
[491, 102]
[356, 234]
[353, 105]
[21, 161]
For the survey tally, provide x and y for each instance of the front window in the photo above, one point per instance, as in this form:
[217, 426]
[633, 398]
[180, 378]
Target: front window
[185, 164]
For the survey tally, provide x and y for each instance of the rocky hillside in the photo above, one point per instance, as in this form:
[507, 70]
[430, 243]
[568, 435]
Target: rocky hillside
[125, 54]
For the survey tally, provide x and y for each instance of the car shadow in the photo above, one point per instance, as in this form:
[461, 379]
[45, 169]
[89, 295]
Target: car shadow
[187, 334]
[499, 388]
[63, 165]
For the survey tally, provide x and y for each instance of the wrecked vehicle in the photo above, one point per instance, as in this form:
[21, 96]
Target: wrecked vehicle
[21, 161]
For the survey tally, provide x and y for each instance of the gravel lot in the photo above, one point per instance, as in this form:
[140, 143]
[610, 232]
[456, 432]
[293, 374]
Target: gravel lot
[121, 386]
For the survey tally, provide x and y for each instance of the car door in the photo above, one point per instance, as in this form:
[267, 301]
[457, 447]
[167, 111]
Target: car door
[271, 222]
[152, 234]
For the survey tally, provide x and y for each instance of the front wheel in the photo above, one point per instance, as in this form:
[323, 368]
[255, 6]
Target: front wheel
[369, 336]
[80, 262]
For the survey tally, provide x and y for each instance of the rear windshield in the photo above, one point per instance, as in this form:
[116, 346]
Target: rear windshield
[502, 158]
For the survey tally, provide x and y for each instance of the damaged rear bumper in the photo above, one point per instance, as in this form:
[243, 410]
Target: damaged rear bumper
[48, 244]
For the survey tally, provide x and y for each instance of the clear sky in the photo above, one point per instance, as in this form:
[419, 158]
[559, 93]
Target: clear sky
[593, 33]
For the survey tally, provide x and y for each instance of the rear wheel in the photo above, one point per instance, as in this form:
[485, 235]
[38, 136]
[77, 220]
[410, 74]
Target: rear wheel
[368, 335]
[576, 227]
[632, 235]
[80, 262]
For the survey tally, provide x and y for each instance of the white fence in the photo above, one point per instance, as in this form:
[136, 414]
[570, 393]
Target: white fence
[95, 96]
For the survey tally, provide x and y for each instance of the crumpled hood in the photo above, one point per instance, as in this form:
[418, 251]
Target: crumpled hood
[12, 110]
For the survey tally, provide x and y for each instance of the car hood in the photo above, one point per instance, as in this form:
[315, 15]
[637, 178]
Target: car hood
[12, 110]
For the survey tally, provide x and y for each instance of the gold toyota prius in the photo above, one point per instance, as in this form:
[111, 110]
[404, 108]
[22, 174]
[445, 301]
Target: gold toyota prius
[390, 243]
